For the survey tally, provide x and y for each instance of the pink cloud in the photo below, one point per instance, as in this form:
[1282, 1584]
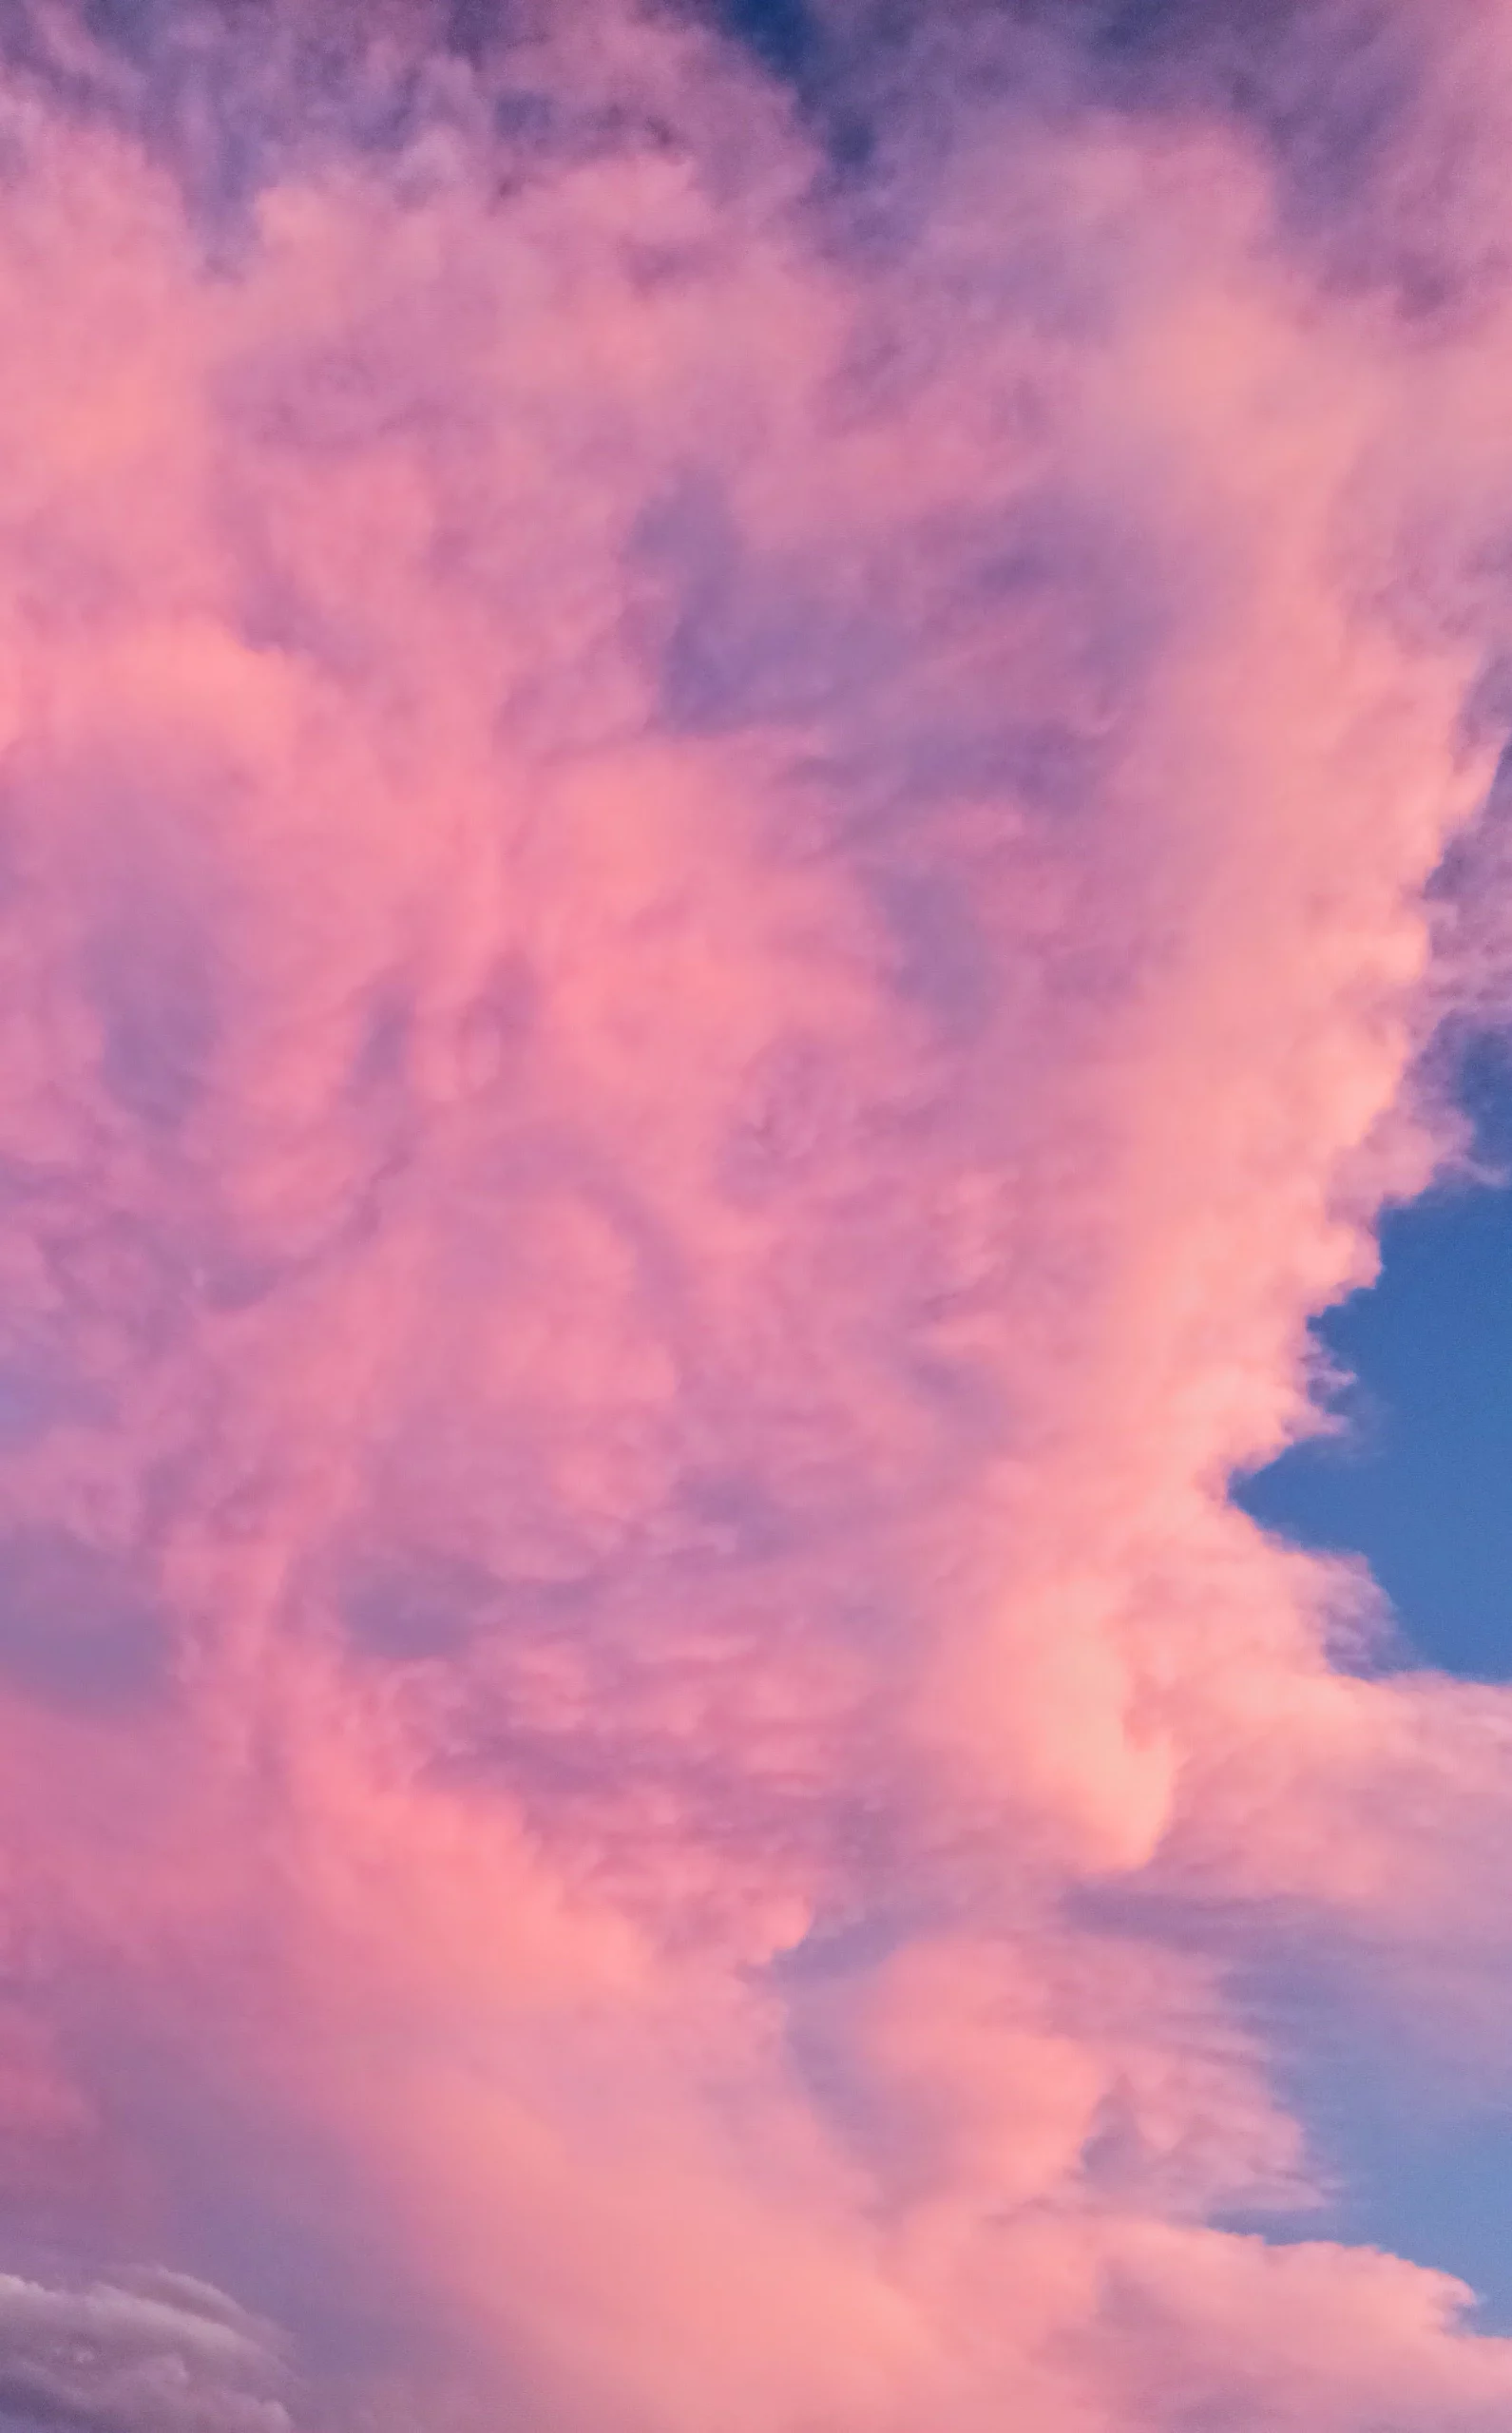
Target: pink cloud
[713, 921]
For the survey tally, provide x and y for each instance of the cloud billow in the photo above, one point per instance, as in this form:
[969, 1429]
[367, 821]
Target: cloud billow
[717, 906]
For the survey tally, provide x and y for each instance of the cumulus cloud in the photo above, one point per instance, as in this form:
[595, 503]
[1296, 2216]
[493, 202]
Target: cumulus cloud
[723, 811]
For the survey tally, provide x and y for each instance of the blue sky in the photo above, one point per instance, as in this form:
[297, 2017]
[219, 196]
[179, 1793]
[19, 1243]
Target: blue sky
[1420, 1480]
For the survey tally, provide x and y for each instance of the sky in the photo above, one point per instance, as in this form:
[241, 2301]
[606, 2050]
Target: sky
[756, 1215]
[1412, 1473]
[1415, 1480]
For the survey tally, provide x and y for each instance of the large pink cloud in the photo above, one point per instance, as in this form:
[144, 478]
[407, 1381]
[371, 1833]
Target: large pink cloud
[713, 917]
